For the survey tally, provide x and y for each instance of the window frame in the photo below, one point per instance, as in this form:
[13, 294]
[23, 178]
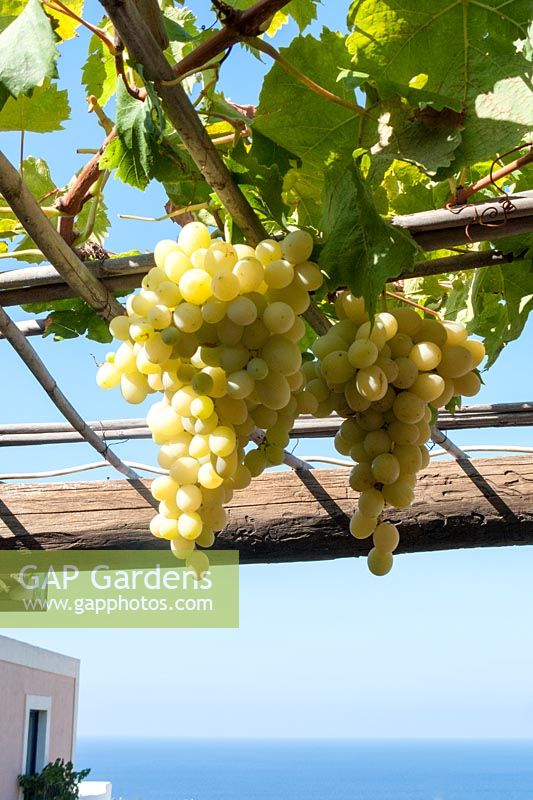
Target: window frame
[38, 703]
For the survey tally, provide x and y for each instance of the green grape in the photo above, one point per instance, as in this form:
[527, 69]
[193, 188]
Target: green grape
[108, 376]
[163, 249]
[164, 488]
[198, 562]
[389, 367]
[199, 446]
[134, 388]
[352, 431]
[220, 257]
[386, 468]
[361, 477]
[279, 274]
[474, 347]
[389, 323]
[267, 251]
[250, 274]
[195, 286]
[309, 276]
[403, 432]
[379, 562]
[213, 310]
[189, 498]
[377, 442]
[278, 317]
[353, 308]
[409, 457]
[456, 361]
[257, 368]
[336, 367]
[240, 384]
[362, 353]
[231, 409]
[407, 373]
[386, 402]
[431, 330]
[256, 462]
[187, 318]
[242, 311]
[408, 407]
[174, 449]
[184, 471]
[371, 503]
[371, 420]
[468, 385]
[400, 345]
[425, 356]
[208, 477]
[282, 356]
[297, 246]
[428, 386]
[228, 332]
[255, 335]
[355, 401]
[225, 286]
[176, 264]
[386, 537]
[168, 293]
[193, 236]
[341, 445]
[398, 494]
[456, 333]
[362, 527]
[372, 383]
[202, 407]
[274, 391]
[222, 441]
[119, 328]
[409, 321]
[234, 358]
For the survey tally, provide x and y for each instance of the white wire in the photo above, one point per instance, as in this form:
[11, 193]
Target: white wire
[485, 448]
[11, 476]
[53, 473]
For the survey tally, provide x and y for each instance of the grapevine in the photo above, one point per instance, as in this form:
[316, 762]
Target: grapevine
[215, 330]
[387, 376]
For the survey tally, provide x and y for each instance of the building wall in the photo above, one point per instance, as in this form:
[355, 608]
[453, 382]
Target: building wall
[16, 682]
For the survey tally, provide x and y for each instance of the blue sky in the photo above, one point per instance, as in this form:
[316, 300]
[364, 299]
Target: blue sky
[442, 647]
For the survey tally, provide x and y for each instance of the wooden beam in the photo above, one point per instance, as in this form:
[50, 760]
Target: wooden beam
[285, 516]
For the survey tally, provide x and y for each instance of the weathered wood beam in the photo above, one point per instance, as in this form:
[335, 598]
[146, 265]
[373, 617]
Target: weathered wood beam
[284, 516]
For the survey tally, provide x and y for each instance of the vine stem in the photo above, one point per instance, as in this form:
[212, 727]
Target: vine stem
[462, 194]
[264, 47]
[402, 299]
[61, 8]
[184, 210]
[16, 253]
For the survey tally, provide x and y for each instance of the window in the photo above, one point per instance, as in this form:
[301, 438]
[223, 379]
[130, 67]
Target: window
[37, 730]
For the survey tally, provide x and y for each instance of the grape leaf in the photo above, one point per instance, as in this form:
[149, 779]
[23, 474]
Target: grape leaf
[302, 193]
[99, 75]
[71, 318]
[43, 112]
[28, 52]
[306, 124]
[466, 49]
[38, 179]
[131, 152]
[361, 251]
[128, 169]
[65, 26]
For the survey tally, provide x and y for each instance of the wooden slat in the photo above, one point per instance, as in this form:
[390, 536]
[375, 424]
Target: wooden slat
[284, 516]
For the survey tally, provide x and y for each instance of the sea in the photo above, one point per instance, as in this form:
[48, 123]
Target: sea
[174, 769]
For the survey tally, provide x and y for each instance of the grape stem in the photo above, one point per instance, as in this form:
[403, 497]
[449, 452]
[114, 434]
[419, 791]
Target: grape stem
[184, 210]
[402, 299]
[61, 8]
[264, 47]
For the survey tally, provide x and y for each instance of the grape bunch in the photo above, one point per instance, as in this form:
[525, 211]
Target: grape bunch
[215, 330]
[386, 377]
